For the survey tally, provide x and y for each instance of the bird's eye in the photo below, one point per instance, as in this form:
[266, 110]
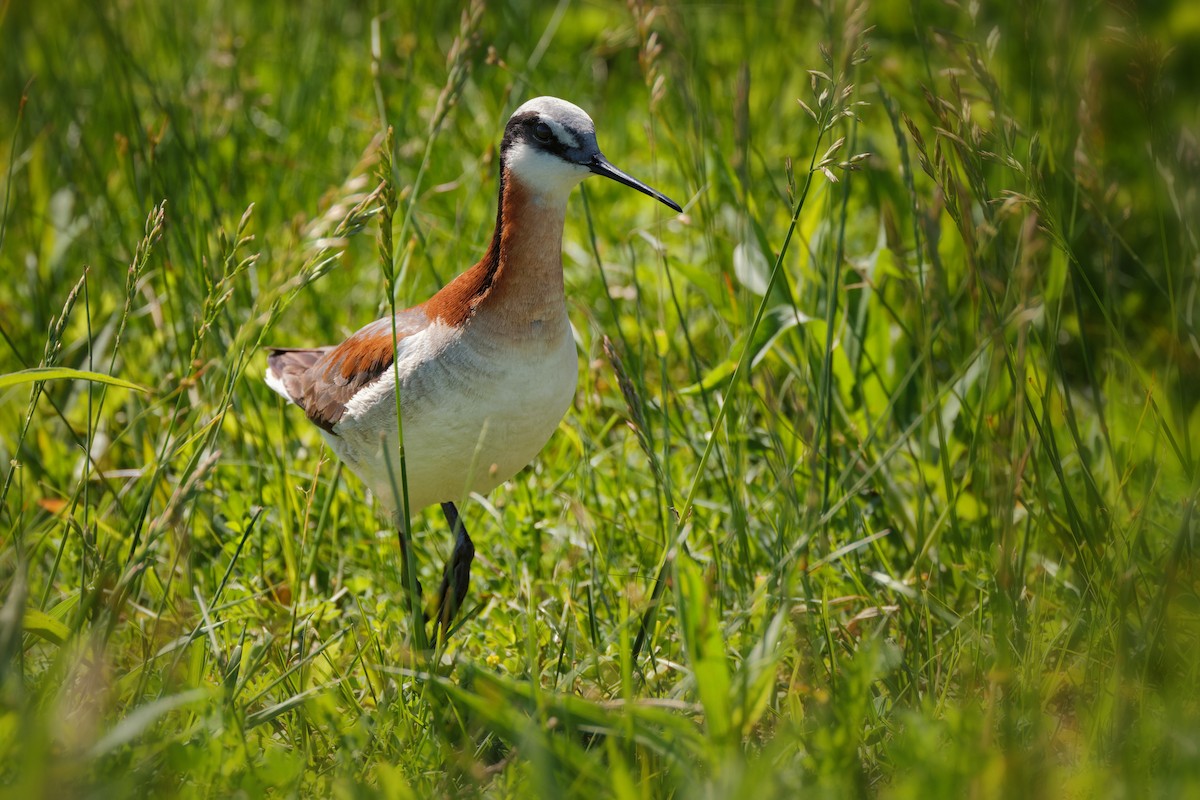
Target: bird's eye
[542, 132]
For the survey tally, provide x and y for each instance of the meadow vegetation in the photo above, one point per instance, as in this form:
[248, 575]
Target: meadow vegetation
[881, 477]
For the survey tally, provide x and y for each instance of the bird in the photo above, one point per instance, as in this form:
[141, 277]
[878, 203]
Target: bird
[486, 368]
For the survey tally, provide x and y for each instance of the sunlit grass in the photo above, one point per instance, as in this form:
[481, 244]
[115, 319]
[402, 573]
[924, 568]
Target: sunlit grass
[880, 478]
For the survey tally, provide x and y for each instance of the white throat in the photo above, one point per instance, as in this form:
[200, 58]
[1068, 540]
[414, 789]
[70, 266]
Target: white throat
[547, 177]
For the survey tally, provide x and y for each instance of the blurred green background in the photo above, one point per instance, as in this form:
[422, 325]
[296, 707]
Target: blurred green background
[892, 455]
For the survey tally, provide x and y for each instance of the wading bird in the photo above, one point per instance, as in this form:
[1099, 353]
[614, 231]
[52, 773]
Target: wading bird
[486, 367]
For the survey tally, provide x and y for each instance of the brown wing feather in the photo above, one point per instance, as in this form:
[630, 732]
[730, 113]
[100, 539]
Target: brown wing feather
[290, 363]
[322, 380]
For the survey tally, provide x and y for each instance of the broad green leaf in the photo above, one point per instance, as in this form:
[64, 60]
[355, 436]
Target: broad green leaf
[36, 374]
[143, 717]
[751, 268]
[41, 624]
[705, 648]
[776, 322]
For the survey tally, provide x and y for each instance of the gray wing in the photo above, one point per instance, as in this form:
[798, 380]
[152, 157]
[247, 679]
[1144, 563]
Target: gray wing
[322, 380]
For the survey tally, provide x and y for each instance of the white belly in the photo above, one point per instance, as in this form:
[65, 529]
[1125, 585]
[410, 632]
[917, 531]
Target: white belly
[474, 415]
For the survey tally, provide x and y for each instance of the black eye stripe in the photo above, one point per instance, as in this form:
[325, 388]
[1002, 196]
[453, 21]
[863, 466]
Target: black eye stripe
[542, 132]
[524, 128]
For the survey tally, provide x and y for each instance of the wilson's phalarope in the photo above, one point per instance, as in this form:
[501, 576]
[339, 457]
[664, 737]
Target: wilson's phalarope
[486, 367]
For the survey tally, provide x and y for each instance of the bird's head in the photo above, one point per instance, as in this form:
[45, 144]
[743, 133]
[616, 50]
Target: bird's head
[550, 146]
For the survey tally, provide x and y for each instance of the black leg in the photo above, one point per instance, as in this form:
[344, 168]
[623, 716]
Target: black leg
[456, 577]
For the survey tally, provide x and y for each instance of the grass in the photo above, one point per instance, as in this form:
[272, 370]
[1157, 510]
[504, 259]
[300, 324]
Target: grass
[881, 475]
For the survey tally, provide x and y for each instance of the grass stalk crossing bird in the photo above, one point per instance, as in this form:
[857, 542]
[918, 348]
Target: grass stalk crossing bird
[486, 367]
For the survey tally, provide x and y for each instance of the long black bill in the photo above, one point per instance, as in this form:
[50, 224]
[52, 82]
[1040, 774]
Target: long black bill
[599, 165]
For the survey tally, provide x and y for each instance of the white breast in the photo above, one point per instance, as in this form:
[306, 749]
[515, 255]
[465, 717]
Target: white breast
[474, 413]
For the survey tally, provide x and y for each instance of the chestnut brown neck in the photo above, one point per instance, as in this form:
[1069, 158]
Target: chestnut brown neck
[517, 287]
